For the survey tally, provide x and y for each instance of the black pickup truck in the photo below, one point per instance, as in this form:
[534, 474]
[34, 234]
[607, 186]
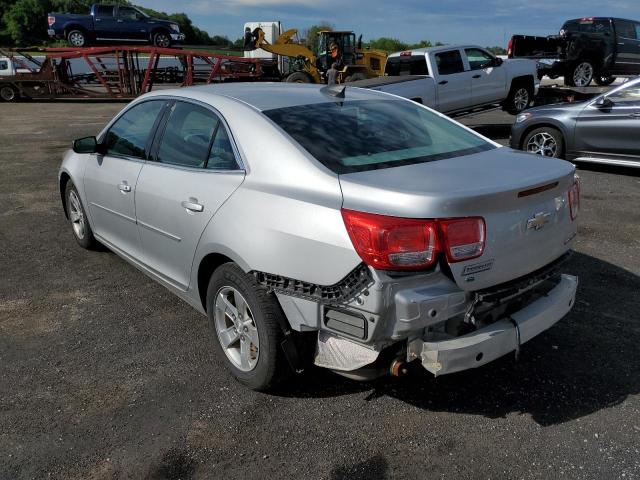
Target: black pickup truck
[113, 23]
[592, 48]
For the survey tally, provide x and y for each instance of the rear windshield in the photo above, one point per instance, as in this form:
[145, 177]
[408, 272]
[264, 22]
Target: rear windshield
[406, 65]
[588, 25]
[365, 135]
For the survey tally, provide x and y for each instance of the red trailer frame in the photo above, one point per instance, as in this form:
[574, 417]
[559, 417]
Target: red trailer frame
[122, 71]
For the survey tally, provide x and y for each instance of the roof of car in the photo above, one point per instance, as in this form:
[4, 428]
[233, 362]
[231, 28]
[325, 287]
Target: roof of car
[440, 48]
[268, 96]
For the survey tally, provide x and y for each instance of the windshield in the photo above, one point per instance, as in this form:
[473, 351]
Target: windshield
[372, 134]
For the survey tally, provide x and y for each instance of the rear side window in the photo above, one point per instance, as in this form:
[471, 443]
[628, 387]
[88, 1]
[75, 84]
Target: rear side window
[449, 62]
[221, 156]
[627, 29]
[374, 134]
[128, 136]
[406, 65]
[104, 11]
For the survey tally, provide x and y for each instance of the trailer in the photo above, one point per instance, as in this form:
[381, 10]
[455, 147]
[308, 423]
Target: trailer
[120, 72]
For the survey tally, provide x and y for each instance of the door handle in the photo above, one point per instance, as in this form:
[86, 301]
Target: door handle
[120, 21]
[477, 76]
[443, 82]
[192, 205]
[124, 187]
[97, 20]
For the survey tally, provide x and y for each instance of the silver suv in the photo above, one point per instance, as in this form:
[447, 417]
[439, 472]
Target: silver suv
[378, 228]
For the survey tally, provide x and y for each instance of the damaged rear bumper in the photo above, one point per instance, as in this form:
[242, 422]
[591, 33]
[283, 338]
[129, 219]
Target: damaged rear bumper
[499, 338]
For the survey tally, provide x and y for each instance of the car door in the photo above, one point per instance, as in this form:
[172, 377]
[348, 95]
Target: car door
[453, 82]
[488, 79]
[131, 24]
[195, 168]
[110, 179]
[611, 130]
[628, 46]
[105, 25]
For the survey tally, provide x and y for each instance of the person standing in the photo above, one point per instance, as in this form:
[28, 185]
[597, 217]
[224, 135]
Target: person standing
[332, 74]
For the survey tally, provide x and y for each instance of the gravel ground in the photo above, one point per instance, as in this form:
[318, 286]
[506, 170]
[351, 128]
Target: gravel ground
[105, 374]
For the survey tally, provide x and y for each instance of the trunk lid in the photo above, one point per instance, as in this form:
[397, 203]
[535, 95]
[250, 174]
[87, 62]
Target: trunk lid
[526, 228]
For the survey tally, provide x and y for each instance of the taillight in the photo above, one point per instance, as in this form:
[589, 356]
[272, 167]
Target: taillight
[51, 19]
[394, 243]
[464, 238]
[510, 48]
[574, 199]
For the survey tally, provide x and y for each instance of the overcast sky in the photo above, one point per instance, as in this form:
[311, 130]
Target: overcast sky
[485, 22]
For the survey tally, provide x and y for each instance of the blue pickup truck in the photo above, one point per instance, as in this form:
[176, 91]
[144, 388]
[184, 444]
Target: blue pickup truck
[113, 23]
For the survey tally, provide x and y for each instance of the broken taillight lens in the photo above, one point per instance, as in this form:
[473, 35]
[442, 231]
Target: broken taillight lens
[394, 243]
[574, 199]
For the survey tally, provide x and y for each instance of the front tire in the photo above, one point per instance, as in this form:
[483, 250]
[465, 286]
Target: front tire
[299, 77]
[8, 93]
[77, 38]
[246, 320]
[82, 231]
[604, 80]
[544, 141]
[162, 39]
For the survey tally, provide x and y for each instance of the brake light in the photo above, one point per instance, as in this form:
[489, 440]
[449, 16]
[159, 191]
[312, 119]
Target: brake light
[394, 243]
[51, 20]
[510, 48]
[574, 199]
[464, 238]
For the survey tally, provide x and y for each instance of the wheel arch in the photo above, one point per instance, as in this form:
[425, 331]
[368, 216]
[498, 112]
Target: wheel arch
[158, 29]
[546, 123]
[206, 266]
[527, 80]
[75, 26]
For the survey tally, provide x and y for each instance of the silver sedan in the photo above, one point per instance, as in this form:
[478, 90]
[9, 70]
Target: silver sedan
[344, 227]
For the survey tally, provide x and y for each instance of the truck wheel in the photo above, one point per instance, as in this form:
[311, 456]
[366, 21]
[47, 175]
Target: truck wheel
[77, 38]
[299, 77]
[246, 319]
[162, 40]
[604, 80]
[580, 75]
[8, 93]
[545, 141]
[519, 98]
[355, 77]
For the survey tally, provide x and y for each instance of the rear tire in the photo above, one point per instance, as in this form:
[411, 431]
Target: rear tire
[604, 80]
[162, 39]
[246, 318]
[77, 38]
[299, 77]
[520, 97]
[78, 218]
[580, 74]
[544, 141]
[8, 93]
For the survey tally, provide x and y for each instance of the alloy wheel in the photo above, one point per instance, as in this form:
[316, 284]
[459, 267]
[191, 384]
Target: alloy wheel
[236, 329]
[542, 144]
[583, 74]
[76, 215]
[521, 99]
[76, 39]
[162, 40]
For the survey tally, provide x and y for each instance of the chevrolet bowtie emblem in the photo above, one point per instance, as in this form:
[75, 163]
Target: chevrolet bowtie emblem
[538, 221]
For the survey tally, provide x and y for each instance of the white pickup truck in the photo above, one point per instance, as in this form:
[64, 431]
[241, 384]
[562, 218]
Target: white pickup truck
[459, 78]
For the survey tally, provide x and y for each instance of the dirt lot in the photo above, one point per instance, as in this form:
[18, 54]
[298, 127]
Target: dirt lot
[104, 374]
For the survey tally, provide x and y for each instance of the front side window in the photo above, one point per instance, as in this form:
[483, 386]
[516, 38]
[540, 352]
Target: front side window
[626, 97]
[128, 13]
[449, 62]
[478, 59]
[128, 136]
[374, 134]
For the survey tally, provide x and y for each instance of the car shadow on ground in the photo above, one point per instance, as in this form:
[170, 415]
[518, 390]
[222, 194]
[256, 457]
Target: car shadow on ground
[587, 362]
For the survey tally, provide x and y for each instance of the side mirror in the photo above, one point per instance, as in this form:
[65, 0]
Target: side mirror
[603, 103]
[86, 145]
[498, 61]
